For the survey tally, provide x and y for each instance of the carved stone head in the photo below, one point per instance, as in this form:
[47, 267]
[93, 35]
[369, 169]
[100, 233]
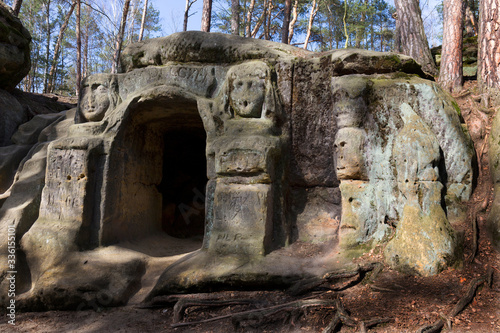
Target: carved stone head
[247, 84]
[98, 94]
[349, 150]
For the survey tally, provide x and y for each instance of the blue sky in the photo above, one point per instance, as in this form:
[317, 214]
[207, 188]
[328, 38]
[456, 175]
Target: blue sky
[172, 17]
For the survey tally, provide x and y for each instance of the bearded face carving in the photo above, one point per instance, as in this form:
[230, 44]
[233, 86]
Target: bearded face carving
[98, 95]
[247, 96]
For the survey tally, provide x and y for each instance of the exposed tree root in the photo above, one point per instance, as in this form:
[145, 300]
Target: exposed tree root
[475, 237]
[259, 316]
[185, 303]
[461, 304]
[305, 285]
[342, 317]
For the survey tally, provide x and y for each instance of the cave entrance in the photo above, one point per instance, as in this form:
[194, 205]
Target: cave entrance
[159, 171]
[184, 179]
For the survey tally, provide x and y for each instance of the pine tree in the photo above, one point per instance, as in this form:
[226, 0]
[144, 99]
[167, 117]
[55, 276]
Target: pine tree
[451, 71]
[412, 35]
[489, 49]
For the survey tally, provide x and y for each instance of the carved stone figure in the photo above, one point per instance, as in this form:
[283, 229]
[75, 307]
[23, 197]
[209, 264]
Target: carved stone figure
[249, 91]
[99, 94]
[286, 148]
[424, 242]
[349, 151]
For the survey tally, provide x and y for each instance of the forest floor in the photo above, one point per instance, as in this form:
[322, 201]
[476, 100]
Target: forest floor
[410, 302]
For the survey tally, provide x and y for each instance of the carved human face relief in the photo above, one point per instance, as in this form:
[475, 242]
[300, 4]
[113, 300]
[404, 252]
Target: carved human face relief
[349, 153]
[95, 102]
[247, 96]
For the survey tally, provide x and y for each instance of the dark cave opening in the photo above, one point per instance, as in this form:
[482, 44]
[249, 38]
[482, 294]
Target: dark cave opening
[183, 182]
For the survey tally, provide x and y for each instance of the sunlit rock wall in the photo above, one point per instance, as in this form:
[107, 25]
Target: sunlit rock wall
[346, 149]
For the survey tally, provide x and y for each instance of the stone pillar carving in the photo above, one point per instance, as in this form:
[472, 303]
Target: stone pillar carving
[246, 155]
[350, 110]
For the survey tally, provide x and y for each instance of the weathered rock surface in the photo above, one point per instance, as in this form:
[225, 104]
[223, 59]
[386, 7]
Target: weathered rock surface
[340, 150]
[18, 107]
[20, 203]
[14, 49]
[425, 241]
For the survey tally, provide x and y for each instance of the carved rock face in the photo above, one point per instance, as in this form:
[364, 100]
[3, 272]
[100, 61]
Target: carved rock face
[247, 97]
[247, 89]
[349, 153]
[95, 102]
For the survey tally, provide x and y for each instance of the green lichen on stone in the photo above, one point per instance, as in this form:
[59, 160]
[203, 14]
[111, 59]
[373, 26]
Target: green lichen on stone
[457, 108]
[359, 250]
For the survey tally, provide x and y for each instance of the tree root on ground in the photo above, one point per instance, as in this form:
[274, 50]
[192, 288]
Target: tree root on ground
[259, 316]
[305, 285]
[342, 317]
[475, 237]
[461, 304]
[185, 303]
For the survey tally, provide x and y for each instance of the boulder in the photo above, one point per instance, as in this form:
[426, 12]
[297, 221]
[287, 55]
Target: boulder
[15, 54]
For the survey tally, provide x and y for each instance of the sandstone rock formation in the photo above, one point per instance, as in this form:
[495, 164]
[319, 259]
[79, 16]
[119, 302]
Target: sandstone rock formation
[14, 49]
[273, 145]
[16, 106]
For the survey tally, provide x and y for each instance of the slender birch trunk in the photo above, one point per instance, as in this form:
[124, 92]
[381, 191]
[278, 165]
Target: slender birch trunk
[314, 10]
[119, 37]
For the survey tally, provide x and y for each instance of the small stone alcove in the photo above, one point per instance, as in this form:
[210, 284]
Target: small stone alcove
[160, 157]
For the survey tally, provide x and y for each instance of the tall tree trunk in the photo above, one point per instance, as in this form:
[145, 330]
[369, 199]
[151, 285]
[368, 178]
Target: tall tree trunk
[16, 6]
[119, 37]
[381, 37]
[48, 33]
[345, 25]
[235, 17]
[86, 38]
[186, 15]
[413, 39]
[360, 30]
[397, 35]
[78, 49]
[286, 21]
[131, 22]
[261, 21]
[312, 14]
[372, 32]
[295, 16]
[57, 48]
[451, 71]
[470, 21]
[143, 20]
[488, 68]
[206, 16]
[248, 26]
[267, 20]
